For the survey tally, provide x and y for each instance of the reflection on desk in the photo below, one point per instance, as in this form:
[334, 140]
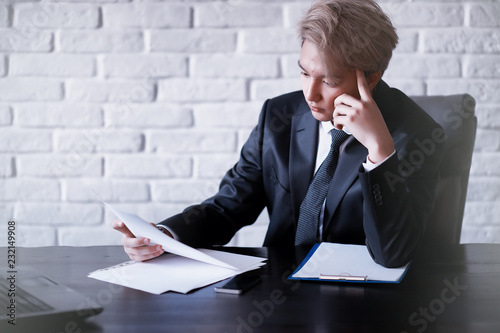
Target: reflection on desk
[455, 289]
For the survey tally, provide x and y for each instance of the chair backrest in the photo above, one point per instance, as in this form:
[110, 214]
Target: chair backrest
[456, 115]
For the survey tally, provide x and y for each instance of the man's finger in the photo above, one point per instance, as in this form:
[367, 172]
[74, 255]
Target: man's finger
[135, 242]
[121, 227]
[364, 91]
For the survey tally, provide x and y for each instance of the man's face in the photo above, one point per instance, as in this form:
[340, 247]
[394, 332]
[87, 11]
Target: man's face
[320, 91]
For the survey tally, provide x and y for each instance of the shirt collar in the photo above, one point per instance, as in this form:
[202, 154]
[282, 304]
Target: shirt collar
[327, 126]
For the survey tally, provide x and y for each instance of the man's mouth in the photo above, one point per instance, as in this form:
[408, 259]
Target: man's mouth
[315, 109]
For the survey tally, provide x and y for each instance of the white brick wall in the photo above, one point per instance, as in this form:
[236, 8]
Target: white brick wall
[149, 101]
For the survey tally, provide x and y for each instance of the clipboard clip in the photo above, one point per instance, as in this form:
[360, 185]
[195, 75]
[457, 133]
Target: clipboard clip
[343, 277]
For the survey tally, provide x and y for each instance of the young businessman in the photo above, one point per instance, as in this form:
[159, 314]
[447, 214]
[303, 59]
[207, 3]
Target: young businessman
[383, 179]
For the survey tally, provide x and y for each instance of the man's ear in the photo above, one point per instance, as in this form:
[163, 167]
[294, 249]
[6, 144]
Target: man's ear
[373, 78]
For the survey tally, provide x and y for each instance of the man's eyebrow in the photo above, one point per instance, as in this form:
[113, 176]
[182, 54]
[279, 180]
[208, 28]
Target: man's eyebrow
[301, 67]
[298, 63]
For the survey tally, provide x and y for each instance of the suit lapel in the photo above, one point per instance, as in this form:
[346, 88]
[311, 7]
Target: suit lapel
[347, 172]
[303, 147]
[355, 153]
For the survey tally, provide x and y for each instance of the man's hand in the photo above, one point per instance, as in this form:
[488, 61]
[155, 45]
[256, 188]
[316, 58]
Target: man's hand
[138, 249]
[364, 120]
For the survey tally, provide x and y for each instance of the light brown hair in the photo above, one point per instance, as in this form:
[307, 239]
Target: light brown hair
[351, 34]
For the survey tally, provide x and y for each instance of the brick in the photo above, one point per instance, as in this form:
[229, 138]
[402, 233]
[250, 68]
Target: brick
[485, 164]
[251, 236]
[58, 115]
[5, 115]
[484, 91]
[423, 14]
[226, 14]
[146, 15]
[428, 66]
[75, 164]
[484, 15]
[214, 166]
[243, 136]
[289, 66]
[487, 140]
[201, 90]
[99, 141]
[148, 115]
[269, 40]
[294, 12]
[6, 166]
[80, 190]
[26, 189]
[6, 214]
[33, 89]
[264, 89]
[3, 66]
[240, 66]
[488, 116]
[148, 166]
[188, 192]
[95, 1]
[482, 189]
[202, 141]
[145, 66]
[101, 41]
[479, 234]
[193, 40]
[149, 211]
[474, 41]
[81, 236]
[482, 66]
[60, 65]
[227, 115]
[26, 40]
[408, 41]
[482, 213]
[51, 214]
[46, 15]
[33, 236]
[4, 16]
[24, 141]
[130, 91]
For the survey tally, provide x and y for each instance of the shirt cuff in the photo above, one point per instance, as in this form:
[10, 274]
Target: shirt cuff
[369, 165]
[161, 226]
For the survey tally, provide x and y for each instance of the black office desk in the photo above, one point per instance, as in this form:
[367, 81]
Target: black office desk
[454, 290]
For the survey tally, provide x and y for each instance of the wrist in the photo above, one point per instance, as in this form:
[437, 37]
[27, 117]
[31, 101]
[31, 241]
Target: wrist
[380, 153]
[164, 230]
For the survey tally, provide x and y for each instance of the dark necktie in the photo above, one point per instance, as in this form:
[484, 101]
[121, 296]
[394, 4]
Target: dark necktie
[310, 209]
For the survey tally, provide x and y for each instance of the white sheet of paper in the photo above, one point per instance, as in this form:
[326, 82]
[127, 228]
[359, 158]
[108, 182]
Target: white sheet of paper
[141, 228]
[346, 259]
[174, 273]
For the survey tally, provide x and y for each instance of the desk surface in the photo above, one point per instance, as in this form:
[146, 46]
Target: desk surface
[456, 289]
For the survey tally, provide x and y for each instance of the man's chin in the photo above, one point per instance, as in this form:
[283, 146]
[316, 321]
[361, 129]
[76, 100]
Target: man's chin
[321, 116]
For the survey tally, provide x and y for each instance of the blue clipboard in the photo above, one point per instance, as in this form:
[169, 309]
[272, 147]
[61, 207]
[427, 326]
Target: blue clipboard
[345, 276]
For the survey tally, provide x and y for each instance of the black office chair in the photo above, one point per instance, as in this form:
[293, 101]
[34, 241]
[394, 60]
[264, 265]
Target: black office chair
[456, 115]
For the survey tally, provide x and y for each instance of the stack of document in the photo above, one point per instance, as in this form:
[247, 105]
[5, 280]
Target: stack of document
[181, 270]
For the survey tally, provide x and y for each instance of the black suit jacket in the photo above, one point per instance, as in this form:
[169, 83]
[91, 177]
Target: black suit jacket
[385, 208]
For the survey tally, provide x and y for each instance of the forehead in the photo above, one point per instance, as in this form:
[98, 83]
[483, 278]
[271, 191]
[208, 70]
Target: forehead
[316, 62]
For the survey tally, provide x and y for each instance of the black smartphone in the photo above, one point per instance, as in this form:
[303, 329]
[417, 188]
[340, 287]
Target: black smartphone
[240, 284]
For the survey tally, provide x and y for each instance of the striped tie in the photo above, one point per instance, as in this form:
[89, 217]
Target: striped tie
[307, 226]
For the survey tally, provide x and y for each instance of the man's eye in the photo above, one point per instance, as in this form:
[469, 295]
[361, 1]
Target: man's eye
[304, 74]
[330, 84]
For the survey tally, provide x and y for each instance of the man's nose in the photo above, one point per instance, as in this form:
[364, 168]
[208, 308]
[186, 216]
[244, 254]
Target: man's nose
[313, 91]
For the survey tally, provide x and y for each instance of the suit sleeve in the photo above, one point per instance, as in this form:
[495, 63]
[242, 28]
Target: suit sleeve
[398, 196]
[238, 202]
